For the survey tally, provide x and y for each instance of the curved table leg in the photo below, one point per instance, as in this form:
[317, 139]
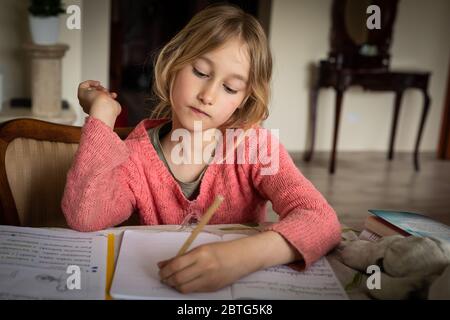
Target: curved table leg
[426, 106]
[312, 123]
[397, 104]
[337, 117]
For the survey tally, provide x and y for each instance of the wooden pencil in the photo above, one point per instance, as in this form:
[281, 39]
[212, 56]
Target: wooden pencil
[205, 219]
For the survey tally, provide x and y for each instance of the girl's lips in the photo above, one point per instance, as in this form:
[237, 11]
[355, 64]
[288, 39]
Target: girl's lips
[198, 111]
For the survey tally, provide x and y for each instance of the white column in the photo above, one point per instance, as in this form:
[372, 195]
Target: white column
[46, 78]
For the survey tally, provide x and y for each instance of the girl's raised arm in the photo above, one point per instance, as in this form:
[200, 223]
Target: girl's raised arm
[99, 188]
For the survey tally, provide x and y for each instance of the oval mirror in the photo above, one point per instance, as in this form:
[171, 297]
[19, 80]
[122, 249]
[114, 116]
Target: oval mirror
[355, 20]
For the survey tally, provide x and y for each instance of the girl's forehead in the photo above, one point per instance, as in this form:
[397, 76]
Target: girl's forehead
[233, 55]
[233, 49]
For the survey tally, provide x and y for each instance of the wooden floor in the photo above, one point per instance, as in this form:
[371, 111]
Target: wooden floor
[366, 180]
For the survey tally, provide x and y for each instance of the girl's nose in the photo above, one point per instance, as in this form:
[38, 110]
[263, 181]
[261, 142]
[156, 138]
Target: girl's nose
[207, 95]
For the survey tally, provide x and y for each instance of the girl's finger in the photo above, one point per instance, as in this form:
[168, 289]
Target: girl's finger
[176, 265]
[89, 83]
[184, 276]
[161, 264]
[195, 285]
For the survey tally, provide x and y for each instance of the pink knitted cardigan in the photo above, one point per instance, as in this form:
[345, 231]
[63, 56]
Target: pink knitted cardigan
[110, 179]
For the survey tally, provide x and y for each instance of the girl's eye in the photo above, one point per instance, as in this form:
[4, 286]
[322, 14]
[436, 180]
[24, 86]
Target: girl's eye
[229, 90]
[203, 75]
[199, 74]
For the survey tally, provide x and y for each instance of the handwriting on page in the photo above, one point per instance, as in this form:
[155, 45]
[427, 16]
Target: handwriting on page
[282, 282]
[34, 264]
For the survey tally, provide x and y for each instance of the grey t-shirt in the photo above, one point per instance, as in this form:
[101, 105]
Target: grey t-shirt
[190, 189]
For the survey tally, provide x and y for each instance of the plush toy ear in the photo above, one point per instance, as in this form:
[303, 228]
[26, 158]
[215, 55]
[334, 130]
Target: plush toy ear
[360, 254]
[355, 253]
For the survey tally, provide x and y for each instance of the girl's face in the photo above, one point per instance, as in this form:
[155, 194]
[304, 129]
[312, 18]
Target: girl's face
[212, 87]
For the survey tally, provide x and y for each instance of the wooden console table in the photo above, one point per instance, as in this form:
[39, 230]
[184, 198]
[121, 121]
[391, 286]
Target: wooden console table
[370, 79]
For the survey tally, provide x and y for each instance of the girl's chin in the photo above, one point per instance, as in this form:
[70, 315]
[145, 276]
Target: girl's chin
[195, 124]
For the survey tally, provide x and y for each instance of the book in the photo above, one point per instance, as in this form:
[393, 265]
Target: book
[40, 264]
[382, 227]
[136, 275]
[369, 236]
[410, 223]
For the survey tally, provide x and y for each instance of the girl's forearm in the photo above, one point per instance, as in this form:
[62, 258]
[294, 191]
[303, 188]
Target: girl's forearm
[105, 109]
[104, 116]
[266, 249]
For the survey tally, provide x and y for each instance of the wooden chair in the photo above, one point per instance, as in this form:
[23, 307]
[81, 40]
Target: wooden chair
[35, 157]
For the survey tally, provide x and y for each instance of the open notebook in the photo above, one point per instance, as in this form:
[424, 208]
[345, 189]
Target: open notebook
[48, 264]
[136, 274]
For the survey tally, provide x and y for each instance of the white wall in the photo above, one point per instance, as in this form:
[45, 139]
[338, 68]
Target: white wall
[299, 36]
[13, 34]
[72, 61]
[88, 57]
[96, 40]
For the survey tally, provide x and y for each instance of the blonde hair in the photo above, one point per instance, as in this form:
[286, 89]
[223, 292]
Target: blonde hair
[208, 30]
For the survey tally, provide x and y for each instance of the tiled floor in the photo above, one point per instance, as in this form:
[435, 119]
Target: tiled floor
[366, 180]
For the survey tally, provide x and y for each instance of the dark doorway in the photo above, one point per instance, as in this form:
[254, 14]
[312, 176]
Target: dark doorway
[444, 141]
[139, 29]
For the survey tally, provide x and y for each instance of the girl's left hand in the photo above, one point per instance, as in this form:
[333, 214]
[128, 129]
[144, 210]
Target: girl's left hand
[206, 268]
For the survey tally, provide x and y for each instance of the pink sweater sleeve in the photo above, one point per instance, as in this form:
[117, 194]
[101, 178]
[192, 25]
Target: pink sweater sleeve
[306, 221]
[98, 190]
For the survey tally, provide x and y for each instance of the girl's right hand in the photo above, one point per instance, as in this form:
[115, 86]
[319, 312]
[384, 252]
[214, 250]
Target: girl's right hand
[98, 102]
[91, 91]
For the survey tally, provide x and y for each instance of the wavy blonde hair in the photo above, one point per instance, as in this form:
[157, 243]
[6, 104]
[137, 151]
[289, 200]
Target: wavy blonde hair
[208, 30]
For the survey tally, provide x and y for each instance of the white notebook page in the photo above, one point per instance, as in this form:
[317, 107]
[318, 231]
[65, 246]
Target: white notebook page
[136, 275]
[318, 282]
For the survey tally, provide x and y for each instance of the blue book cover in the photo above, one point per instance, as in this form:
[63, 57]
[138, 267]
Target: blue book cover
[415, 224]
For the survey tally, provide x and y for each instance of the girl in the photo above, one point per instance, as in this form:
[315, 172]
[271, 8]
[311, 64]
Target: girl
[213, 75]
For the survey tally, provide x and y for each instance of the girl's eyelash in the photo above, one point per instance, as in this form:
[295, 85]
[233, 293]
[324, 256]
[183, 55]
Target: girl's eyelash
[198, 73]
[202, 75]
[229, 90]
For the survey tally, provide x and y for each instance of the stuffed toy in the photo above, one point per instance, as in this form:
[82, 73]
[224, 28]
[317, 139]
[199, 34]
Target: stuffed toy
[411, 267]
